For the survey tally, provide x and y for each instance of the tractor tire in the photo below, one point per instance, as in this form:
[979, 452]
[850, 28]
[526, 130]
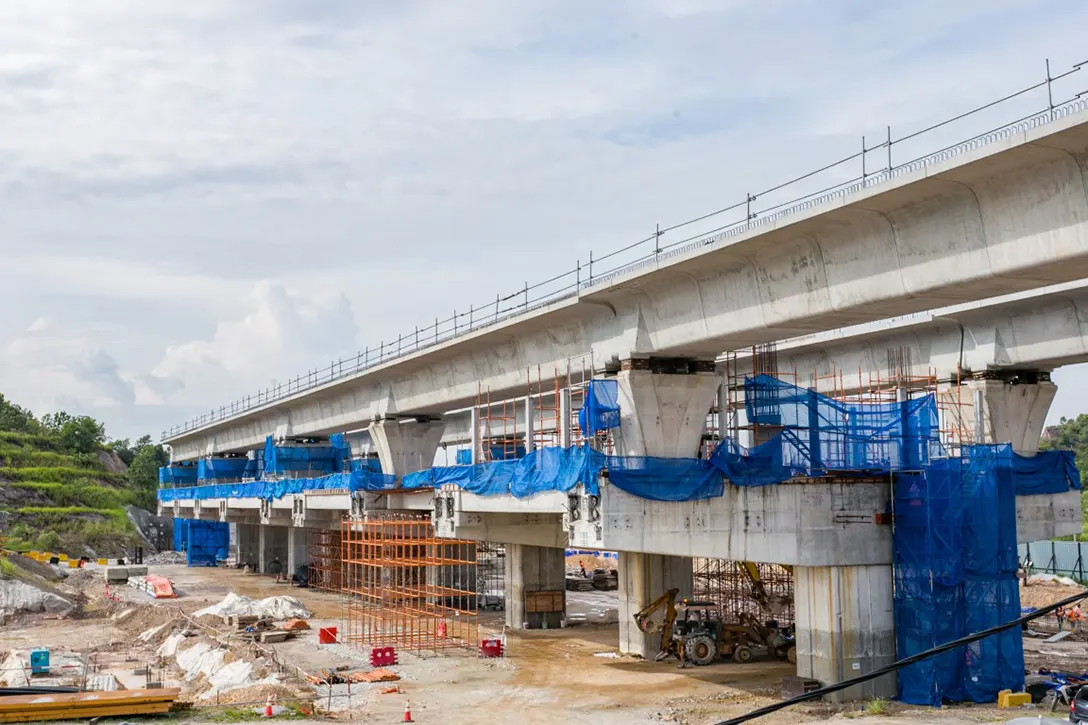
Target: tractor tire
[742, 654]
[791, 655]
[701, 649]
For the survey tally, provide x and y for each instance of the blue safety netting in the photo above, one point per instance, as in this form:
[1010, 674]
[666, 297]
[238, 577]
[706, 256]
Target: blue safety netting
[371, 465]
[315, 459]
[464, 457]
[601, 409]
[207, 542]
[178, 474]
[665, 479]
[220, 469]
[253, 469]
[955, 574]
[181, 534]
[353, 481]
[545, 469]
[816, 434]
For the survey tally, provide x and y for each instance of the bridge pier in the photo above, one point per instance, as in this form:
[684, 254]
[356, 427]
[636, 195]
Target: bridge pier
[406, 447]
[845, 626]
[663, 407]
[1011, 408]
[297, 549]
[532, 569]
[272, 545]
[248, 543]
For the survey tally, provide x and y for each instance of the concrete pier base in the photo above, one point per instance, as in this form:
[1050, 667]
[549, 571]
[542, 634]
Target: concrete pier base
[248, 543]
[845, 626]
[272, 545]
[298, 539]
[643, 578]
[531, 569]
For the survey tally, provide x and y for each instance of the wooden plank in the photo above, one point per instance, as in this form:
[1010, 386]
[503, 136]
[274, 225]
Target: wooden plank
[80, 713]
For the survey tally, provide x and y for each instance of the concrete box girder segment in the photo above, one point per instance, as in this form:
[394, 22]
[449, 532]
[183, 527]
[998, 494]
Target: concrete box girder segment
[1009, 216]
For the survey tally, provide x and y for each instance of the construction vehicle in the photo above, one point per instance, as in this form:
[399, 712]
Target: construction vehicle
[773, 604]
[694, 633]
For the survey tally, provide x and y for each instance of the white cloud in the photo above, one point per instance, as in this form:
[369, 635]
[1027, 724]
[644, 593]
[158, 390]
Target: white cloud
[277, 333]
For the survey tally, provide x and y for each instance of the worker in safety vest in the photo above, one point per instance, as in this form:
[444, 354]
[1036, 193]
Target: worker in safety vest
[1060, 614]
[1074, 617]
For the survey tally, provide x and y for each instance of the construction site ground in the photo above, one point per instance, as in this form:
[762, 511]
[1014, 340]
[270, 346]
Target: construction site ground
[572, 675]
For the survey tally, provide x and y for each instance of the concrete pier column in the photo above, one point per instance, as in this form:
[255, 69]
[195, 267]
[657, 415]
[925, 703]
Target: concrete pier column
[643, 578]
[663, 406]
[247, 541]
[272, 545]
[298, 544]
[406, 446]
[845, 626]
[1009, 411]
[531, 569]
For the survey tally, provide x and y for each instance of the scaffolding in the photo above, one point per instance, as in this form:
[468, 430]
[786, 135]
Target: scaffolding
[499, 427]
[491, 576]
[724, 583]
[546, 397]
[323, 547]
[406, 588]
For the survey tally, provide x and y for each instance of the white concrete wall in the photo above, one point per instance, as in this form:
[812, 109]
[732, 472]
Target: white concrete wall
[810, 524]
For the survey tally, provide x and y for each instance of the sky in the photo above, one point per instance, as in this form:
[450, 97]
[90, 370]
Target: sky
[200, 199]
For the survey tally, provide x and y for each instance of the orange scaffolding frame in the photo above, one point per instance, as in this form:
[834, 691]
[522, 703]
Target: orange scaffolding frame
[406, 588]
[323, 547]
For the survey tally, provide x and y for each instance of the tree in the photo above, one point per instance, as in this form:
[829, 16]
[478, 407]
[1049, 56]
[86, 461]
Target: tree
[16, 418]
[124, 450]
[82, 434]
[143, 473]
[1071, 434]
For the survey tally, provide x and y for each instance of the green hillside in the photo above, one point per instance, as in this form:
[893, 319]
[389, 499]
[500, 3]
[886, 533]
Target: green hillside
[64, 488]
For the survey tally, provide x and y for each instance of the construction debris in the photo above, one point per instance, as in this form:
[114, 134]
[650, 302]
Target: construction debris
[275, 608]
[332, 677]
[293, 625]
[153, 585]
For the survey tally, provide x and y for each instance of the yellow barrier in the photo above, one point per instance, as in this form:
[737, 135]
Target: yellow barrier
[103, 562]
[73, 564]
[62, 557]
[1008, 698]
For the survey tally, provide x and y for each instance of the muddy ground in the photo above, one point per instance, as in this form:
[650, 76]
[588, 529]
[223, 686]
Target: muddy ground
[547, 677]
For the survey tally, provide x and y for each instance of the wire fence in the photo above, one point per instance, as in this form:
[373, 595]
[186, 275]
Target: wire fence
[828, 183]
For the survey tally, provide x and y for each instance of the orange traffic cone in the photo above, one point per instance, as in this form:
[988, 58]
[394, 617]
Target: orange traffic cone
[268, 707]
[407, 712]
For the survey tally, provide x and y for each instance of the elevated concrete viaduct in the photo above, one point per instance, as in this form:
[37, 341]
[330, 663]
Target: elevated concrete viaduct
[1005, 217]
[1010, 216]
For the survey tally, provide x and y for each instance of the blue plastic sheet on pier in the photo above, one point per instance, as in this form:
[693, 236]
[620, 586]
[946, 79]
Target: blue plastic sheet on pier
[178, 474]
[545, 469]
[311, 460]
[220, 469]
[601, 409]
[955, 574]
[1045, 472]
[353, 481]
[666, 479]
[207, 542]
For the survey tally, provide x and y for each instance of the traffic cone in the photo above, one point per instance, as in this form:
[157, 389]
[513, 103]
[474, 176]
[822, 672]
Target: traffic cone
[407, 712]
[268, 707]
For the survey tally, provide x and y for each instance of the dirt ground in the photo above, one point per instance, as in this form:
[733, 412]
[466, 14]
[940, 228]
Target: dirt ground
[547, 676]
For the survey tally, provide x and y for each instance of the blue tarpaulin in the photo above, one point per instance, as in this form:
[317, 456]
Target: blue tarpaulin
[206, 542]
[545, 469]
[955, 574]
[354, 481]
[220, 469]
[178, 474]
[666, 479]
[601, 409]
[308, 460]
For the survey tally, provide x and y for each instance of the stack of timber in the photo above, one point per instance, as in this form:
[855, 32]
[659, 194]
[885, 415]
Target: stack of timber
[86, 705]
